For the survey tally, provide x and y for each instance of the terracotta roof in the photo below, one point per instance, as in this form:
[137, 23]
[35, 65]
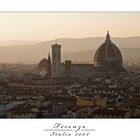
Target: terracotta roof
[108, 50]
[115, 112]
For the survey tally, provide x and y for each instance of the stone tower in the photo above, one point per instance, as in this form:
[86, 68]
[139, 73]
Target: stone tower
[56, 60]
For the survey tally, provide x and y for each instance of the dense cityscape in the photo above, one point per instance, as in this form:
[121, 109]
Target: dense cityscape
[108, 88]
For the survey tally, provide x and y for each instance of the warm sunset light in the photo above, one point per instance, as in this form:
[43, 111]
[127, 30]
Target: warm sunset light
[69, 65]
[46, 26]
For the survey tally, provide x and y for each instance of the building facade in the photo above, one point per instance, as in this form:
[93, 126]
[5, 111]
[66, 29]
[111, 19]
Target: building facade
[77, 70]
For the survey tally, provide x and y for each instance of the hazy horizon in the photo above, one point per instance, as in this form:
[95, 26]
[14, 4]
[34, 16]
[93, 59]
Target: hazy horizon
[78, 50]
[31, 42]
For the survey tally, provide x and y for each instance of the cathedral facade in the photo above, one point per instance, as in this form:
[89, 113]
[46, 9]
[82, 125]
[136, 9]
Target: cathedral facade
[107, 60]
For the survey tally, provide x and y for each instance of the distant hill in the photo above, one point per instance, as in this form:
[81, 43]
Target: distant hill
[87, 56]
[16, 42]
[79, 49]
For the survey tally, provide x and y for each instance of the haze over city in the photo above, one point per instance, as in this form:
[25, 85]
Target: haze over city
[70, 65]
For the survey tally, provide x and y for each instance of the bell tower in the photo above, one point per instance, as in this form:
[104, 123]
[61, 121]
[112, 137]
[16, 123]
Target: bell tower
[56, 60]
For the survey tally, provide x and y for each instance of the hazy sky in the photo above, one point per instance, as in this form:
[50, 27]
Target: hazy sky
[46, 26]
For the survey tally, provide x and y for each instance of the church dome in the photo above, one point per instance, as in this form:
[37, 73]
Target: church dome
[108, 55]
[108, 51]
[43, 64]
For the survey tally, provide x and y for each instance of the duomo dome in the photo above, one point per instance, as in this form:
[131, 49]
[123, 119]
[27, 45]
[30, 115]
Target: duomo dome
[108, 57]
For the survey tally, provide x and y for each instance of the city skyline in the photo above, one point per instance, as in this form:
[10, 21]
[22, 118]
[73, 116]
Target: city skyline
[52, 89]
[66, 77]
